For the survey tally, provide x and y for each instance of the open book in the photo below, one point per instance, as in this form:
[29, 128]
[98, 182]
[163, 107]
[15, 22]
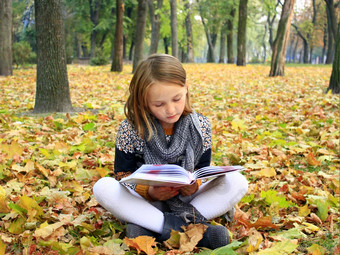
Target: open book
[174, 175]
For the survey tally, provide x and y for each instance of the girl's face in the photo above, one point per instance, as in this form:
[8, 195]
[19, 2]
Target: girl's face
[166, 101]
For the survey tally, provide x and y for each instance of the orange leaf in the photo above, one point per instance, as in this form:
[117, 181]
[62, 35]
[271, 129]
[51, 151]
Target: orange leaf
[142, 244]
[311, 160]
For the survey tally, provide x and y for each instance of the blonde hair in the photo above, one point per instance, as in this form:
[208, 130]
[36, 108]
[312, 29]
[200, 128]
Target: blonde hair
[156, 68]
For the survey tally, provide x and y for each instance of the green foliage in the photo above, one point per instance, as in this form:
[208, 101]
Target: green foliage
[100, 59]
[22, 54]
[271, 196]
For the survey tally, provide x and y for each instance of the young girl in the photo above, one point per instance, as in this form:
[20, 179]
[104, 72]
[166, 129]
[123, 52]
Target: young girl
[162, 128]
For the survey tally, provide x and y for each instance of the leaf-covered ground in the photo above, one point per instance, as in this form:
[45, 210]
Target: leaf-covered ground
[284, 130]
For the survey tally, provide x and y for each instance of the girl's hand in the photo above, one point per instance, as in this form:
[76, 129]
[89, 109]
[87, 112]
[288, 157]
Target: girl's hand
[162, 193]
[188, 190]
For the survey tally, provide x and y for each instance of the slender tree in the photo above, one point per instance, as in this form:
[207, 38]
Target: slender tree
[230, 37]
[334, 82]
[6, 37]
[117, 62]
[140, 31]
[241, 35]
[190, 38]
[52, 90]
[155, 25]
[173, 22]
[94, 16]
[281, 40]
[222, 43]
[331, 19]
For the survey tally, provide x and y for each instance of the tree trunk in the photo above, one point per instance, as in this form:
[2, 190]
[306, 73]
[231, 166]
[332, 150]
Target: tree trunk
[295, 49]
[52, 90]
[280, 42]
[155, 25]
[173, 22]
[211, 48]
[166, 45]
[140, 31]
[6, 37]
[230, 40]
[334, 82]
[324, 45]
[264, 45]
[330, 48]
[117, 62]
[207, 32]
[190, 40]
[94, 16]
[241, 34]
[222, 44]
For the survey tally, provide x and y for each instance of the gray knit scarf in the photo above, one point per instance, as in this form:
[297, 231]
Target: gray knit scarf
[186, 144]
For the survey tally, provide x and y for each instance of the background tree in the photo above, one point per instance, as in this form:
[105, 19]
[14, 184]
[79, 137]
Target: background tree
[117, 62]
[140, 31]
[280, 42]
[241, 34]
[6, 37]
[155, 24]
[52, 90]
[230, 37]
[189, 34]
[334, 82]
[173, 21]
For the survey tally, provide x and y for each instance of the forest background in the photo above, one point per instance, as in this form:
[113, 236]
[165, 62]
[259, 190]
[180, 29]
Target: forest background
[283, 129]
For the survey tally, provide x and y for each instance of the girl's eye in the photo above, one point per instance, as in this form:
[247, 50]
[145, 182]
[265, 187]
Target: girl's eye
[158, 105]
[177, 99]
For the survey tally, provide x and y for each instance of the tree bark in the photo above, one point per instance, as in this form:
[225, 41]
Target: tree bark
[211, 58]
[230, 38]
[222, 44]
[52, 87]
[155, 25]
[117, 62]
[173, 22]
[190, 40]
[334, 82]
[140, 31]
[280, 42]
[241, 34]
[6, 38]
[330, 48]
[305, 45]
[94, 16]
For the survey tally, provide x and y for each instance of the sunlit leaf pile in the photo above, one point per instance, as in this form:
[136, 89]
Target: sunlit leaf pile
[284, 130]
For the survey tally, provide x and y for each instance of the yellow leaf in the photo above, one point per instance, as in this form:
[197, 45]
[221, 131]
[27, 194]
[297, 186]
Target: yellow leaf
[311, 227]
[254, 241]
[102, 171]
[238, 124]
[3, 201]
[43, 170]
[12, 150]
[2, 248]
[46, 229]
[304, 211]
[267, 172]
[32, 207]
[316, 249]
[285, 247]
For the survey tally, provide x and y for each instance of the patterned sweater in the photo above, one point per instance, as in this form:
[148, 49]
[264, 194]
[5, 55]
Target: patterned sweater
[129, 151]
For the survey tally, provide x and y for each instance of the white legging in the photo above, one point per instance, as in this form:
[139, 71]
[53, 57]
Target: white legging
[213, 199]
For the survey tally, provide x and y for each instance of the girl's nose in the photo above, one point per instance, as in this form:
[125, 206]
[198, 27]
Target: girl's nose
[170, 109]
